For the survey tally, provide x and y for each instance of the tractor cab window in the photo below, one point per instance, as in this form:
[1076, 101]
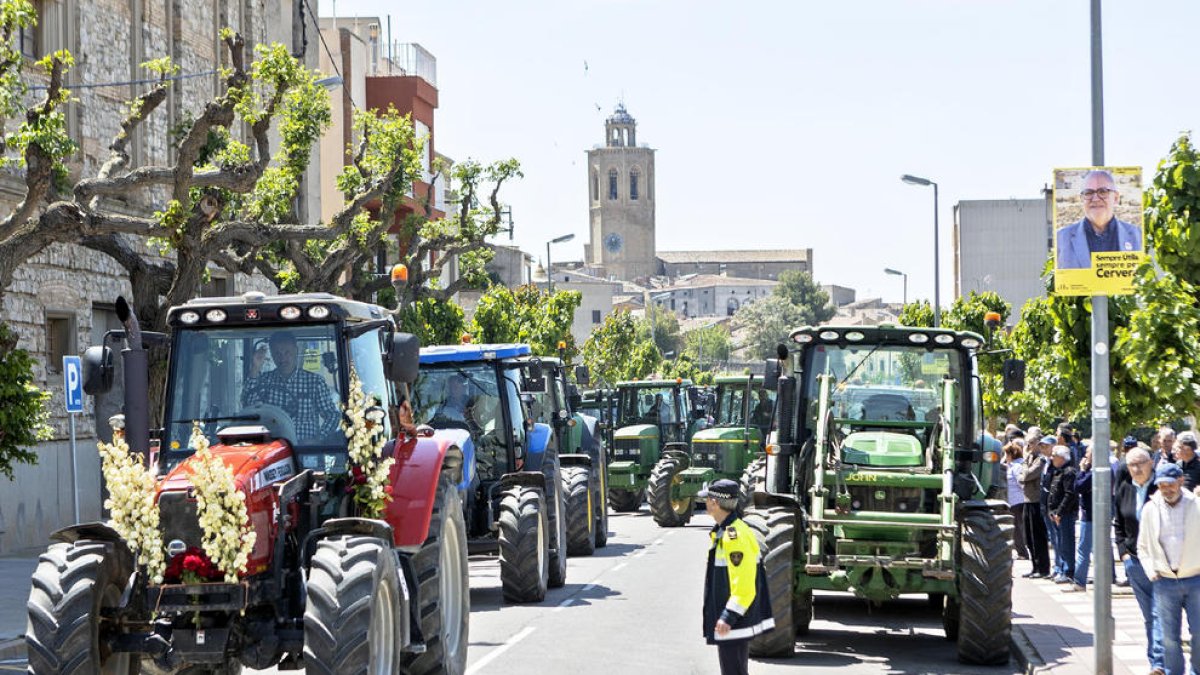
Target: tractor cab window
[731, 411]
[651, 405]
[366, 357]
[762, 405]
[893, 390]
[283, 378]
[465, 396]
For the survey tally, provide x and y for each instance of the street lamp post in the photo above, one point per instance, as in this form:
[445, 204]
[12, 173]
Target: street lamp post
[937, 305]
[549, 267]
[888, 270]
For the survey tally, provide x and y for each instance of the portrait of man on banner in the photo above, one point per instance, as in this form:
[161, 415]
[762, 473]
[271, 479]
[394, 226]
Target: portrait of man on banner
[1098, 241]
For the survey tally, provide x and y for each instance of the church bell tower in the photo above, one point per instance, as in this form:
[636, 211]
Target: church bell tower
[621, 201]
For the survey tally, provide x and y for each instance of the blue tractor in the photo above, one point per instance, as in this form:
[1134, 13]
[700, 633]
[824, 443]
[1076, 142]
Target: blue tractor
[513, 502]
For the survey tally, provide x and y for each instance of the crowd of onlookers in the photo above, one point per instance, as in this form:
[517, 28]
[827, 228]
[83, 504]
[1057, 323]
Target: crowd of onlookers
[1156, 524]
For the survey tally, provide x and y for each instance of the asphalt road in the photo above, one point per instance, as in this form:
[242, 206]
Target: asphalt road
[634, 607]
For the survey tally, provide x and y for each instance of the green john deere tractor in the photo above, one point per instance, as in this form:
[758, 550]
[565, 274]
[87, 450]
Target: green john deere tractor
[580, 444]
[651, 417]
[732, 448]
[876, 480]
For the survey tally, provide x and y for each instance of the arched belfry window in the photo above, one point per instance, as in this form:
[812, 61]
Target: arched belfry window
[612, 183]
[634, 177]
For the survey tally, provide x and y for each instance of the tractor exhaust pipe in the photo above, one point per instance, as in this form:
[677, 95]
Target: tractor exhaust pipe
[137, 382]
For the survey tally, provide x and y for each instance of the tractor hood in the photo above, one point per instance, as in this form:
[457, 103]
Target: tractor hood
[254, 466]
[637, 431]
[725, 434]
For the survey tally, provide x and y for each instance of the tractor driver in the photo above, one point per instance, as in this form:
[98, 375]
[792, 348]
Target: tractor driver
[455, 405]
[301, 394]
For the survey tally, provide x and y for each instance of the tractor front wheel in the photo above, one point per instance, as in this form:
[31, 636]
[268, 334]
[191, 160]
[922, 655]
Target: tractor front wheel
[667, 509]
[775, 529]
[984, 589]
[441, 572]
[581, 517]
[74, 587]
[625, 501]
[524, 545]
[352, 611]
[754, 479]
[557, 519]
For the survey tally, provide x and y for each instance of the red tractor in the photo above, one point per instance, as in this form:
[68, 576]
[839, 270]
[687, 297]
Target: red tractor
[325, 589]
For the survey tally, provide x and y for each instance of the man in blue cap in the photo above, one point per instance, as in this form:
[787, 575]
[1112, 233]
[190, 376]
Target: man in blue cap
[1170, 520]
[737, 605]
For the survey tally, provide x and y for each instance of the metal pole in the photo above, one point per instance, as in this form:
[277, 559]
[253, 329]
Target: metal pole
[937, 286]
[74, 472]
[549, 274]
[1101, 470]
[905, 302]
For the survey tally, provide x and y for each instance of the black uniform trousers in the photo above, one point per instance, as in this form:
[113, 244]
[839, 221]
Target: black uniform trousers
[734, 656]
[1037, 538]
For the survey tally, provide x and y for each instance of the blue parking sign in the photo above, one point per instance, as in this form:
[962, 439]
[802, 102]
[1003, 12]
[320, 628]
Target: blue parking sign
[73, 383]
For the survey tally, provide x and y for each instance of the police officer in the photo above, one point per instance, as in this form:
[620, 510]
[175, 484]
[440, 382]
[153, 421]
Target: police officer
[737, 605]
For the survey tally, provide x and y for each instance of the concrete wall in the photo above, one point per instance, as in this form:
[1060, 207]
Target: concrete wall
[1001, 245]
[596, 298]
[746, 270]
[632, 220]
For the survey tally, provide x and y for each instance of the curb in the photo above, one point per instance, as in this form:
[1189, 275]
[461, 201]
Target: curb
[1024, 654]
[12, 648]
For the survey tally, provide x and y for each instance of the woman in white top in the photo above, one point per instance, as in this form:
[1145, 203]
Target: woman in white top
[1014, 457]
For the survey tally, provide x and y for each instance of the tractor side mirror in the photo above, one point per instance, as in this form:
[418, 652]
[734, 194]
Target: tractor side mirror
[403, 354]
[575, 400]
[97, 370]
[771, 374]
[583, 375]
[534, 382]
[1013, 373]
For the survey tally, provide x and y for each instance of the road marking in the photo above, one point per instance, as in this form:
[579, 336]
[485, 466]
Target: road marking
[657, 541]
[619, 566]
[492, 655]
[588, 587]
[564, 604]
[641, 553]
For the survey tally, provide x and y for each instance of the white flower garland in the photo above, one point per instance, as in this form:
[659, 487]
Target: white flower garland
[131, 492]
[363, 427]
[227, 538]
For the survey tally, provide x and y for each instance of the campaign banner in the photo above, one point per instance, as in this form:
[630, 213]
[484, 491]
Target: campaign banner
[1098, 238]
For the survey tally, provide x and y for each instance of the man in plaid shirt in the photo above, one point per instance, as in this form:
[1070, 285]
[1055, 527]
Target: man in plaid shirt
[303, 395]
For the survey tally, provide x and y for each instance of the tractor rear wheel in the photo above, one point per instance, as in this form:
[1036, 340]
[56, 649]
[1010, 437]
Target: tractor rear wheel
[557, 519]
[754, 479]
[581, 517]
[775, 529]
[625, 501]
[353, 607]
[524, 544]
[984, 588]
[73, 585]
[600, 504]
[441, 572]
[667, 509]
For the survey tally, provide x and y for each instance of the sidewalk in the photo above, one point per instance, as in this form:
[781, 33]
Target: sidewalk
[1053, 631]
[15, 574]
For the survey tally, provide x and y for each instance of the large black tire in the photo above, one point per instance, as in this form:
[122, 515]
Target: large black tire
[581, 511]
[667, 512]
[557, 518]
[984, 588]
[600, 502]
[625, 501]
[72, 584]
[754, 479]
[352, 615]
[524, 545]
[775, 528]
[443, 578]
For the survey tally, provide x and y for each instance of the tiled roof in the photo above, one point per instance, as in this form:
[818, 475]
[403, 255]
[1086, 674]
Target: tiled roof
[763, 256]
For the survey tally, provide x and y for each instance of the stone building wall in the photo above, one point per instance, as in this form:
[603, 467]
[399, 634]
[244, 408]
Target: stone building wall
[109, 39]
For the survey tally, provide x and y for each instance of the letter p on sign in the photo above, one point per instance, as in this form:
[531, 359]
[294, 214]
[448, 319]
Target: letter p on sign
[73, 383]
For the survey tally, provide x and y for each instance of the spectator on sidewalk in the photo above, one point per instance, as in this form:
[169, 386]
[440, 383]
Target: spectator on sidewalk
[1014, 459]
[1083, 553]
[1067, 437]
[1169, 520]
[1185, 455]
[1036, 537]
[1063, 503]
[1166, 444]
[1134, 486]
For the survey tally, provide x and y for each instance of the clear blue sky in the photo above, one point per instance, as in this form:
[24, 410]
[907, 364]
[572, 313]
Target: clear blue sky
[787, 124]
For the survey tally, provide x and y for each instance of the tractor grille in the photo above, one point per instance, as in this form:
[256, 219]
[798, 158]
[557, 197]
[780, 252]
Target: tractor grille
[626, 450]
[895, 500]
[177, 513]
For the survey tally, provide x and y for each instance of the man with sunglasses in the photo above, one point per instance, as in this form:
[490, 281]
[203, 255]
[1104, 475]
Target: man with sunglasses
[1099, 230]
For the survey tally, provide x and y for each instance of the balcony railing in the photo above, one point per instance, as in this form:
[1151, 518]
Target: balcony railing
[405, 58]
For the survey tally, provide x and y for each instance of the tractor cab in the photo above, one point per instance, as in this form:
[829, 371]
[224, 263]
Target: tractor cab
[651, 417]
[476, 395]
